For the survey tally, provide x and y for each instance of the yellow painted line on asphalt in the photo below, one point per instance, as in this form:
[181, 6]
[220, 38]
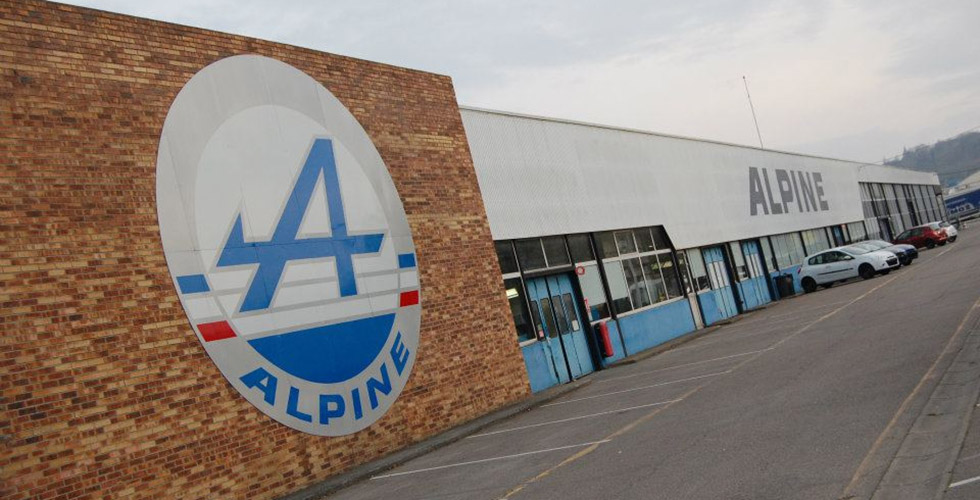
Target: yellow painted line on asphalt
[632, 389]
[628, 427]
[866, 462]
[485, 460]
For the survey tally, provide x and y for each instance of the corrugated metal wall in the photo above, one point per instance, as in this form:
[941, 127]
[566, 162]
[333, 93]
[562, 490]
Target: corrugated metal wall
[540, 176]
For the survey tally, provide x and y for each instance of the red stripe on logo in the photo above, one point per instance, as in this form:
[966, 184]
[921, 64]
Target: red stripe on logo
[409, 298]
[218, 330]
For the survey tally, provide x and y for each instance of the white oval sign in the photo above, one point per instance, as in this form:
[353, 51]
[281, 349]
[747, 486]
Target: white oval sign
[288, 245]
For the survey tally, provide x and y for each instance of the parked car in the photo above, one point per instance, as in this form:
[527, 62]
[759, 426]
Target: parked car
[950, 230]
[922, 236]
[842, 263]
[905, 253]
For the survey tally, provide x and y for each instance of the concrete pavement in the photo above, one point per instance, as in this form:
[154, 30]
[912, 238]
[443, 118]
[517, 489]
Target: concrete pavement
[820, 396]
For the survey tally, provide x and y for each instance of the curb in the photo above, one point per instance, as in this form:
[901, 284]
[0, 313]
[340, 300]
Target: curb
[362, 472]
[917, 458]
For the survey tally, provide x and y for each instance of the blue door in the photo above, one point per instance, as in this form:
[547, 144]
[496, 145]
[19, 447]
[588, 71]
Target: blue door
[755, 290]
[559, 326]
[721, 287]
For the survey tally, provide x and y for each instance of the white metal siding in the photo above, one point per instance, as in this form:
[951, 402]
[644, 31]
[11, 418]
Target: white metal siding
[541, 177]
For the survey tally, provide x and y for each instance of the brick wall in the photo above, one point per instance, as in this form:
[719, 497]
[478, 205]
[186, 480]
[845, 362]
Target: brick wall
[106, 391]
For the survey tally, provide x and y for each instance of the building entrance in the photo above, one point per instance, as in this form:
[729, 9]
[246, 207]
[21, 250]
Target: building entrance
[722, 303]
[559, 326]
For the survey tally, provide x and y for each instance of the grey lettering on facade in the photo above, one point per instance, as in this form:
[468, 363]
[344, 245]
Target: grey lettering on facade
[785, 191]
[804, 188]
[776, 207]
[755, 193]
[818, 185]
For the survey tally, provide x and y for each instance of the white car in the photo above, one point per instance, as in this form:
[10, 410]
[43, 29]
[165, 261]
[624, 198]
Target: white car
[841, 263]
[950, 229]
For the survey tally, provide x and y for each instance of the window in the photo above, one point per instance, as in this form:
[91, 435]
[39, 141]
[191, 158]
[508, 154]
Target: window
[581, 248]
[542, 253]
[530, 253]
[644, 240]
[660, 238]
[573, 323]
[815, 240]
[816, 260]
[699, 275]
[788, 250]
[624, 242]
[654, 278]
[635, 267]
[639, 292]
[591, 285]
[617, 286]
[559, 307]
[741, 274]
[752, 260]
[505, 255]
[549, 317]
[607, 244]
[518, 308]
[857, 232]
[719, 278]
[555, 251]
[670, 275]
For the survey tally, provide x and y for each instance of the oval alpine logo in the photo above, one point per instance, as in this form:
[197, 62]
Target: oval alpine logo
[288, 245]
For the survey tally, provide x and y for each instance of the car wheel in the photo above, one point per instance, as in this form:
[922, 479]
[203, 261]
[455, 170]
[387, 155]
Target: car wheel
[866, 271]
[952, 239]
[809, 286]
[930, 244]
[941, 243]
[905, 260]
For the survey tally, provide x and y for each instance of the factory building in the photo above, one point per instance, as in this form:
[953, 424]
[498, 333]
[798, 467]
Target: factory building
[656, 236]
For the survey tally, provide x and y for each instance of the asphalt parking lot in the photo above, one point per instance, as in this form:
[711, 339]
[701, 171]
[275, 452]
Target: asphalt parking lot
[819, 396]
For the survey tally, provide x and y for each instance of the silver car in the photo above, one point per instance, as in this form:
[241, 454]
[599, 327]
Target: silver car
[905, 253]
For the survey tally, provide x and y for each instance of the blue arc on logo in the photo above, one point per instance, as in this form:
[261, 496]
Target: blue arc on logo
[330, 353]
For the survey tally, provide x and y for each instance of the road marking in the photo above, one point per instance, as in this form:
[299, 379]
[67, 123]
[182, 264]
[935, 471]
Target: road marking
[728, 336]
[965, 481]
[473, 462]
[570, 419]
[790, 313]
[859, 472]
[622, 430]
[971, 457]
[686, 364]
[684, 396]
[637, 388]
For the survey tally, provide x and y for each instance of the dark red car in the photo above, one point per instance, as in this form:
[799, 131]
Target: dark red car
[922, 236]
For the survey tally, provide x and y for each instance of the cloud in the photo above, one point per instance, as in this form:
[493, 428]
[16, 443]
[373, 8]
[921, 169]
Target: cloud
[846, 79]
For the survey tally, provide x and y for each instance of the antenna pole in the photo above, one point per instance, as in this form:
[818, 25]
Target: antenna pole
[751, 107]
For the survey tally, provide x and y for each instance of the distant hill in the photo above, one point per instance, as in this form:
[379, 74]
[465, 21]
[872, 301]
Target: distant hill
[953, 159]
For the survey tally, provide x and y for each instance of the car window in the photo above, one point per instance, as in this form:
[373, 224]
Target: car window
[944, 224]
[904, 235]
[816, 259]
[858, 249]
[934, 226]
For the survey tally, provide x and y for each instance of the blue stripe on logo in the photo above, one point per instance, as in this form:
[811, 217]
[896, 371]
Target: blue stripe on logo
[194, 283]
[406, 260]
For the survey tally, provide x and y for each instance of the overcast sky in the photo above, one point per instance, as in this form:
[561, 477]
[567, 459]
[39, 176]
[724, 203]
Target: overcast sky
[854, 80]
